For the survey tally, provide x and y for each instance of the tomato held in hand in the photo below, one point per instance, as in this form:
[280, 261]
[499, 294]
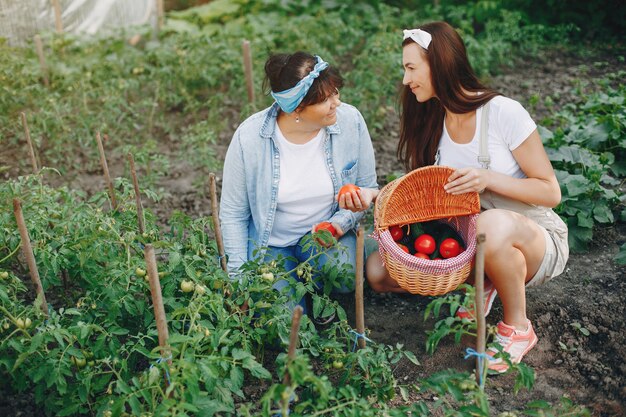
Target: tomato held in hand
[425, 244]
[347, 189]
[326, 226]
[326, 241]
[396, 233]
[449, 248]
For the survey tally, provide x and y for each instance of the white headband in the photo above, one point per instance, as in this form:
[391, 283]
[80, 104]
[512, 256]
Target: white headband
[420, 37]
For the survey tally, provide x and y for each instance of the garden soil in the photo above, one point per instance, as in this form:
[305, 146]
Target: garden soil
[590, 294]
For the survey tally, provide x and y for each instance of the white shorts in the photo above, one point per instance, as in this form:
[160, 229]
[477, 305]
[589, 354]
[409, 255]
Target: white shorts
[554, 259]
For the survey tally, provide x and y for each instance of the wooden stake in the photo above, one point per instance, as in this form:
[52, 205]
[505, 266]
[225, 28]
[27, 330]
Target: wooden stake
[479, 283]
[27, 249]
[42, 60]
[105, 169]
[247, 66]
[160, 11]
[31, 150]
[293, 340]
[58, 21]
[216, 222]
[358, 293]
[133, 174]
[157, 302]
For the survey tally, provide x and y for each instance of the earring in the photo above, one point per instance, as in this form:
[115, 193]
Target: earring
[297, 118]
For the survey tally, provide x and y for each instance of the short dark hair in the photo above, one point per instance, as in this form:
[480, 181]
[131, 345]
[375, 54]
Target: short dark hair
[283, 71]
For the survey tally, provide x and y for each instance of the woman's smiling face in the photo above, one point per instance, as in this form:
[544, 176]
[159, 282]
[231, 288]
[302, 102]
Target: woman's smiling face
[322, 114]
[417, 74]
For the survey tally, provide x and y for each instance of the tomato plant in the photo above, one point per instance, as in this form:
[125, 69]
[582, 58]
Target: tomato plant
[425, 244]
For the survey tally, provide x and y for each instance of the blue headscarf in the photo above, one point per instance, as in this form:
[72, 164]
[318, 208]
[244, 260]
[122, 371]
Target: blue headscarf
[290, 99]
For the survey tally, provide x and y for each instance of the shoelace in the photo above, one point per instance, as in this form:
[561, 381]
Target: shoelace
[501, 340]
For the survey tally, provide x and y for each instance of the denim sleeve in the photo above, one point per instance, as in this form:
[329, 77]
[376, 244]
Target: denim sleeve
[366, 176]
[234, 206]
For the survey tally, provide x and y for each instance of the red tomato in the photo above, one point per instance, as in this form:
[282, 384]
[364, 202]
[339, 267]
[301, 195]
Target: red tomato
[450, 248]
[347, 189]
[326, 226]
[421, 255]
[403, 247]
[396, 233]
[425, 244]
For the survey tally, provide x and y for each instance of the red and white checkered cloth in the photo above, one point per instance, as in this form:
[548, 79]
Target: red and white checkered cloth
[464, 225]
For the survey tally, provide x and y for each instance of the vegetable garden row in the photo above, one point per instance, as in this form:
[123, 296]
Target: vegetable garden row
[97, 348]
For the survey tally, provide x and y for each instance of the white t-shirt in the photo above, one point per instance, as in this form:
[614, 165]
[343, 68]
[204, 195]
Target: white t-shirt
[305, 190]
[509, 126]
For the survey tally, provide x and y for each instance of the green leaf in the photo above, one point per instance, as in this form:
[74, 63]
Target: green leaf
[578, 237]
[584, 220]
[602, 213]
[576, 185]
[411, 356]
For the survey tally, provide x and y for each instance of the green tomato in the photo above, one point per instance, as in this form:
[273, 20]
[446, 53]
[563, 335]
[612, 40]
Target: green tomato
[140, 272]
[200, 289]
[153, 375]
[4, 274]
[79, 362]
[27, 323]
[338, 364]
[268, 276]
[19, 323]
[187, 286]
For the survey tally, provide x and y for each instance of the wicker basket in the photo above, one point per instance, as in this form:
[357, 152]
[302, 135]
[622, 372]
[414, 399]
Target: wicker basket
[418, 197]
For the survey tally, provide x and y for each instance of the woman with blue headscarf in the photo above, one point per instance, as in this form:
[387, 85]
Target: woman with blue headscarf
[286, 164]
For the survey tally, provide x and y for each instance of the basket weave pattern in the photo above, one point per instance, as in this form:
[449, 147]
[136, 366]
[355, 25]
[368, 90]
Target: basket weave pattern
[418, 197]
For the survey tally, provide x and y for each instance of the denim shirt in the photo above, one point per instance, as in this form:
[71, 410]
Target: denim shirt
[252, 172]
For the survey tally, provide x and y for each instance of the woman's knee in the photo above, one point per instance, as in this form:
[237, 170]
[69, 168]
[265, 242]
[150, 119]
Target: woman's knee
[376, 272]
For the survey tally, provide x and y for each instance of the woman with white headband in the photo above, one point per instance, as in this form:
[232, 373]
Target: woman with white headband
[285, 164]
[450, 118]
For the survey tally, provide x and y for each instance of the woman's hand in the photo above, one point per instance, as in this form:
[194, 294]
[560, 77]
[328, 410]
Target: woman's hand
[356, 201]
[466, 180]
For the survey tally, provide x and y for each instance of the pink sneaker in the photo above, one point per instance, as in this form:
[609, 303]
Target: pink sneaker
[516, 343]
[489, 297]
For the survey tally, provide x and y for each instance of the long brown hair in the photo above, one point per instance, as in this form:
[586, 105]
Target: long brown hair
[421, 124]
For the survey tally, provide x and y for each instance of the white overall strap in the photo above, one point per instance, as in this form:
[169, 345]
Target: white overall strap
[483, 141]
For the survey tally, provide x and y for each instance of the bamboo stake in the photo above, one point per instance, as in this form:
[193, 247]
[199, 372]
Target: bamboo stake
[133, 174]
[293, 340]
[479, 283]
[42, 60]
[157, 302]
[31, 150]
[358, 293]
[247, 66]
[58, 21]
[105, 169]
[216, 222]
[27, 249]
